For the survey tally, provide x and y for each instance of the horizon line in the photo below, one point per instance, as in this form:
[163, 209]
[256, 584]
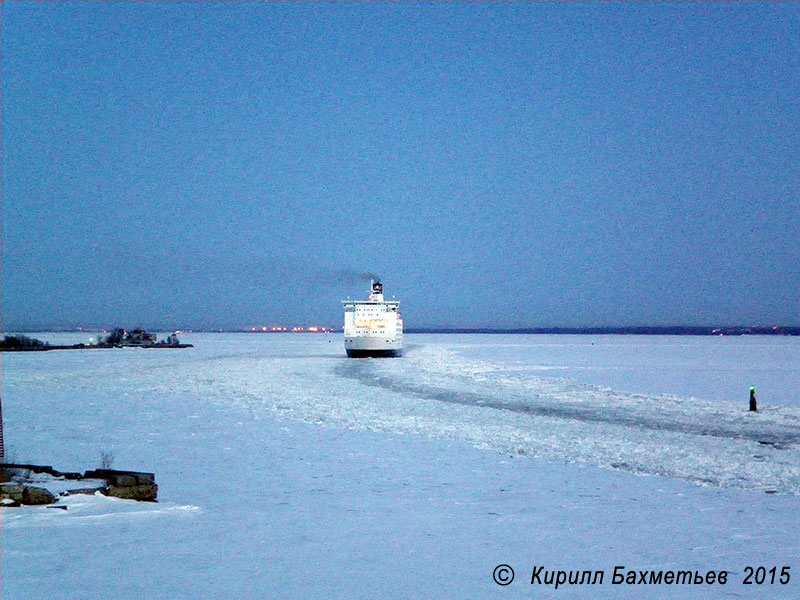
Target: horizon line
[551, 330]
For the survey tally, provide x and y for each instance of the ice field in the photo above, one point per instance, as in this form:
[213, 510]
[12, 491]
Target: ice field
[288, 470]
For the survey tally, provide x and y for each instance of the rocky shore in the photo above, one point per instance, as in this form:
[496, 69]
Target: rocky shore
[24, 484]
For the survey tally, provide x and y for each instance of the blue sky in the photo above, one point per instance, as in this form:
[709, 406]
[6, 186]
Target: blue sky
[504, 165]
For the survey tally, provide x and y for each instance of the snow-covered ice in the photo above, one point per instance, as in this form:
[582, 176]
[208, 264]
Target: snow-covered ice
[288, 470]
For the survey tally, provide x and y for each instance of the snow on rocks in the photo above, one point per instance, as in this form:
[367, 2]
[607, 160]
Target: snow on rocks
[130, 485]
[50, 484]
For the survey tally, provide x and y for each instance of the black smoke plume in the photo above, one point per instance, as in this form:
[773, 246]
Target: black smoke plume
[351, 276]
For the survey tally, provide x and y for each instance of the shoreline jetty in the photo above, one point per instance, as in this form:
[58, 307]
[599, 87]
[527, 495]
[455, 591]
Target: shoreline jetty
[119, 338]
[25, 484]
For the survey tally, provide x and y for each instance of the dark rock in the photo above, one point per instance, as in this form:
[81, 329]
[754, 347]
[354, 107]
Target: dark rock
[131, 485]
[121, 478]
[32, 468]
[12, 491]
[36, 495]
[145, 492]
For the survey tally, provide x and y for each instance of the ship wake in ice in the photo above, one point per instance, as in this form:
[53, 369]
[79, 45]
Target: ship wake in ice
[436, 392]
[705, 442]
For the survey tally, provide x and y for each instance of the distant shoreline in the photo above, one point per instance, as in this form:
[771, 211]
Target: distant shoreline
[638, 330]
[665, 330]
[46, 347]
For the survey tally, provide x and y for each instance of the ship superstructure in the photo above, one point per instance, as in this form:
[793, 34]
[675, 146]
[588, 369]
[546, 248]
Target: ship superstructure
[373, 327]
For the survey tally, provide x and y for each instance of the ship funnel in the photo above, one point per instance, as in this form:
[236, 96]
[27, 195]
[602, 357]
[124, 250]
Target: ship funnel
[377, 291]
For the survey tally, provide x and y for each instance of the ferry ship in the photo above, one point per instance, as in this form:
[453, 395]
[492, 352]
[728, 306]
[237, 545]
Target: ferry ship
[373, 327]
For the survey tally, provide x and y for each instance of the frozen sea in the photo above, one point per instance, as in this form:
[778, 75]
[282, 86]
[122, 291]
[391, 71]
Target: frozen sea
[286, 470]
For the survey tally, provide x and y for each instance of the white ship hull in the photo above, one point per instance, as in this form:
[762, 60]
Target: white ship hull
[373, 327]
[369, 346]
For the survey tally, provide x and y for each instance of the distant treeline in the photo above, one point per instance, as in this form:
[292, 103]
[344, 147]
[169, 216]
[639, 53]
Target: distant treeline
[119, 338]
[22, 342]
[665, 330]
